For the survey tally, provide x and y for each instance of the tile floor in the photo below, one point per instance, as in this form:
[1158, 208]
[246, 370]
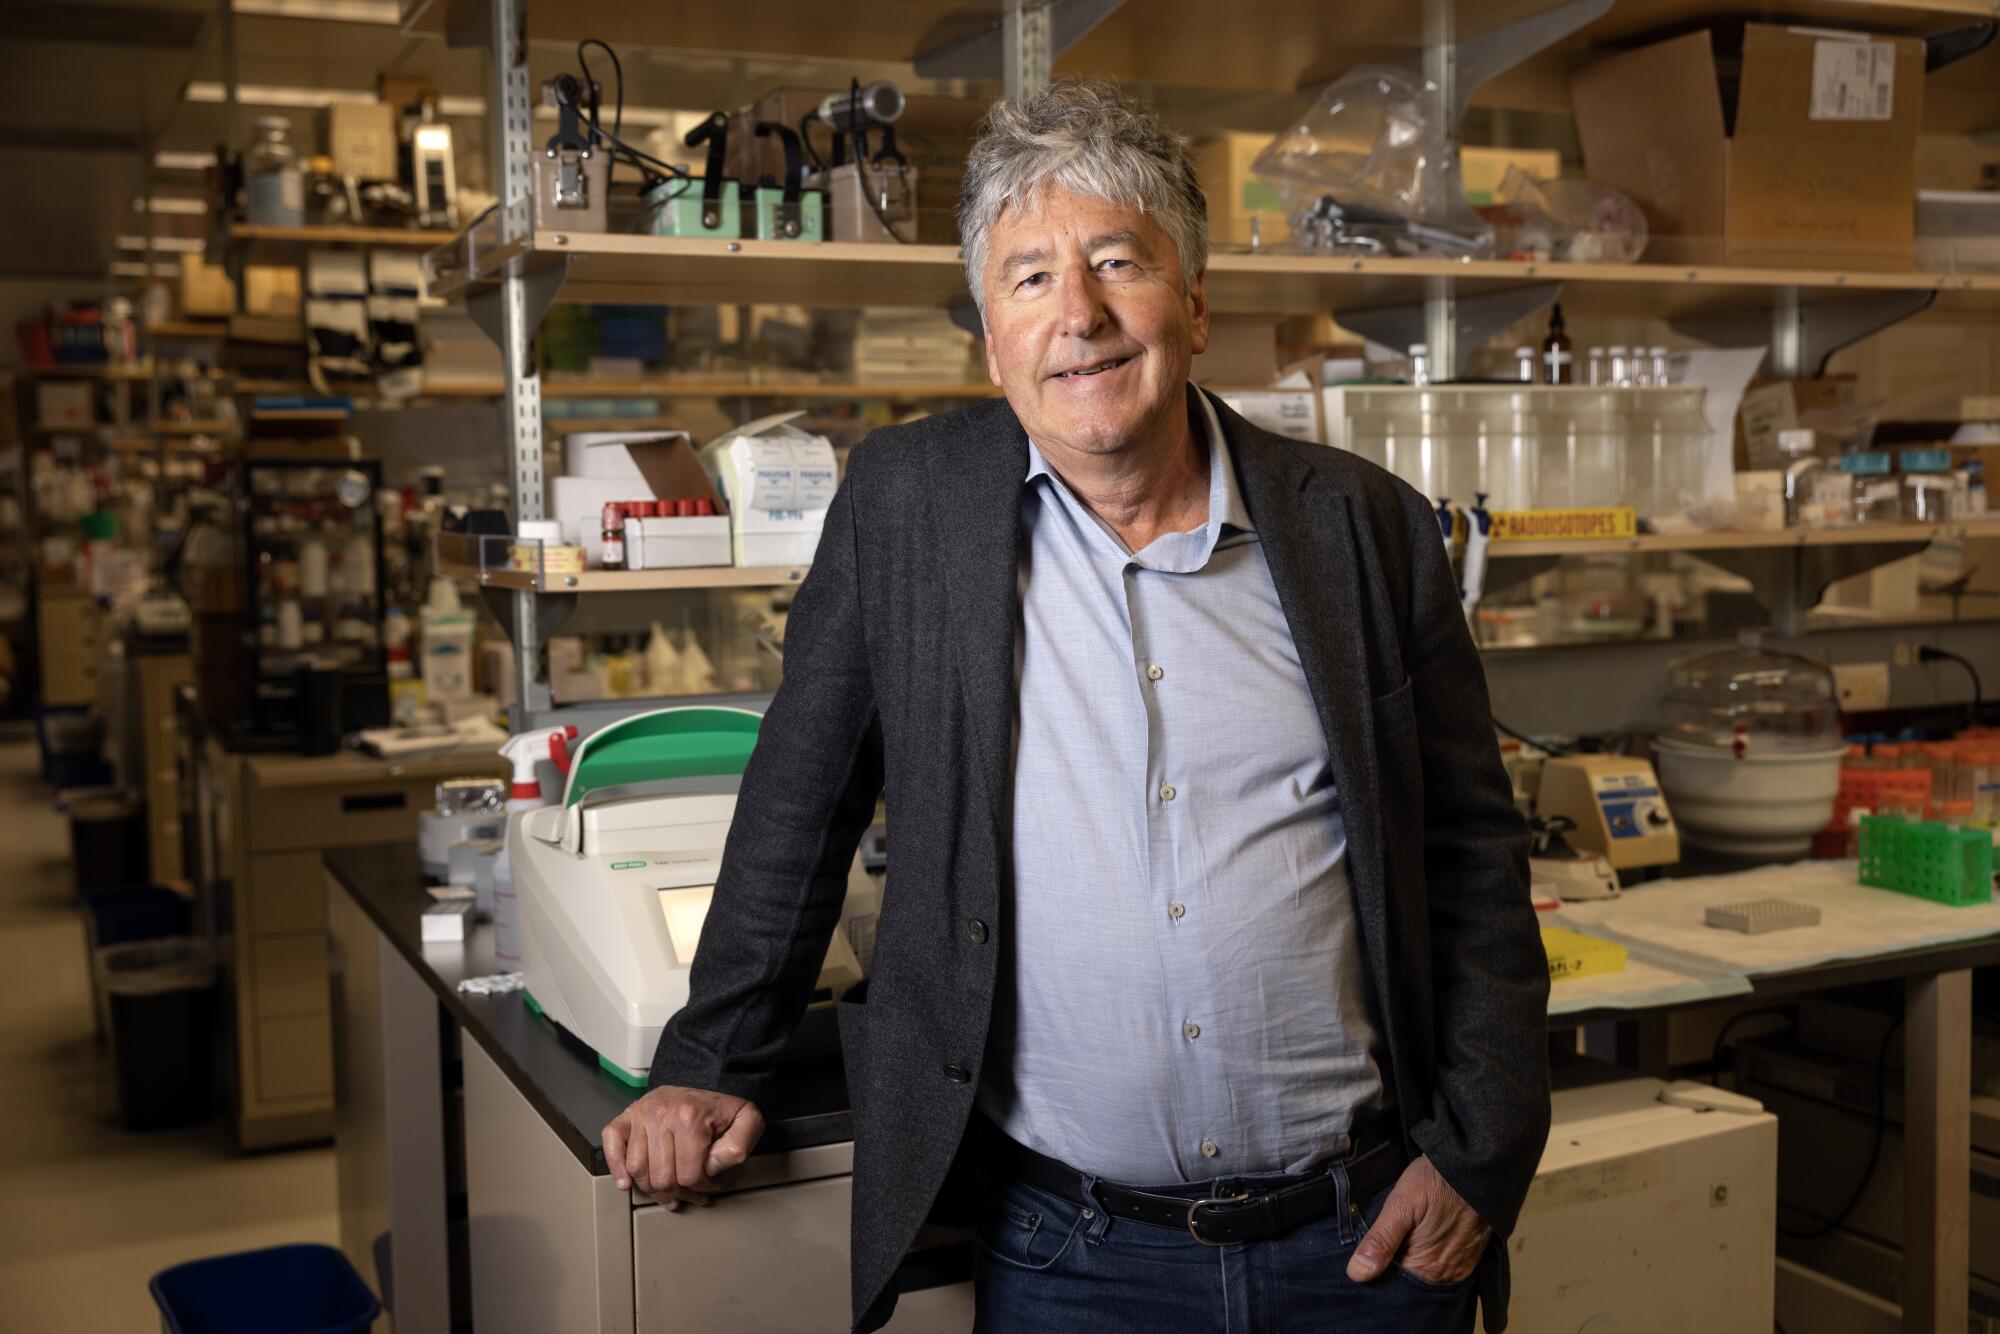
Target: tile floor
[88, 1212]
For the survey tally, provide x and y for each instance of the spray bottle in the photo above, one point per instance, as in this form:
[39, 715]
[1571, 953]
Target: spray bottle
[525, 751]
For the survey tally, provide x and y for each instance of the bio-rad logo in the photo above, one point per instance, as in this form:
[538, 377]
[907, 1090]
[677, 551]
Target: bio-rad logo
[628, 866]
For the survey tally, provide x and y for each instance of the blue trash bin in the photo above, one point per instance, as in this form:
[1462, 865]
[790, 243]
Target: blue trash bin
[302, 1289]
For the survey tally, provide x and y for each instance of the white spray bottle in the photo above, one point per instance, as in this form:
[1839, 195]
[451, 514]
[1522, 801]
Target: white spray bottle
[525, 751]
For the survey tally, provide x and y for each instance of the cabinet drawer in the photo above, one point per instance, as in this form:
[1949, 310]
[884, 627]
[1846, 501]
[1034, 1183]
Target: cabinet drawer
[287, 894]
[290, 974]
[335, 816]
[295, 1058]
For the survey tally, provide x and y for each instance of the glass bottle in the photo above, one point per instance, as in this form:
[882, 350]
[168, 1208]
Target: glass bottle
[275, 188]
[1420, 363]
[1596, 366]
[1621, 368]
[1524, 365]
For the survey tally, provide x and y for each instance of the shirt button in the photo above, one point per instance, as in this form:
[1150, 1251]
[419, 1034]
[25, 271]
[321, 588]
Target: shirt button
[1190, 1031]
[1177, 911]
[977, 930]
[1209, 1148]
[1154, 672]
[1166, 792]
[957, 1074]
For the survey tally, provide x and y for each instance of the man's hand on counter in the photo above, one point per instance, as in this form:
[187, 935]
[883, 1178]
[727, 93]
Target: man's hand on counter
[673, 1142]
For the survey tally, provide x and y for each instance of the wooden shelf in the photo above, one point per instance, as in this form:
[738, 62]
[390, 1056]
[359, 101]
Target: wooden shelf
[190, 330]
[136, 372]
[795, 389]
[651, 270]
[631, 581]
[1268, 45]
[196, 428]
[288, 246]
[1860, 535]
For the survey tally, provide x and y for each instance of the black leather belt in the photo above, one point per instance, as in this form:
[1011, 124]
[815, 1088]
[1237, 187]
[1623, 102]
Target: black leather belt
[1230, 1215]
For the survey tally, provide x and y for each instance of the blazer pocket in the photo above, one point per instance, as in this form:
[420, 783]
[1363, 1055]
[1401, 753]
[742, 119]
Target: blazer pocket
[1396, 712]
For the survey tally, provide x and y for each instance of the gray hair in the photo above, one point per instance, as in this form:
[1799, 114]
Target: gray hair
[1082, 136]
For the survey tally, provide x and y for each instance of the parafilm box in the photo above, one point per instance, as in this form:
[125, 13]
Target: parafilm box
[1565, 525]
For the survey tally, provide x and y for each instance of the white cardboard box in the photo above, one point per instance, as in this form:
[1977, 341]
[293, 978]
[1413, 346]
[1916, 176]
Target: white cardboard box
[610, 453]
[779, 481]
[677, 543]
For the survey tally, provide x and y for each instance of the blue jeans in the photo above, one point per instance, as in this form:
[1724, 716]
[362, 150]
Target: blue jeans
[1043, 1265]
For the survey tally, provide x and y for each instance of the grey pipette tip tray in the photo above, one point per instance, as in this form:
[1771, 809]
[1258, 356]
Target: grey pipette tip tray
[1754, 917]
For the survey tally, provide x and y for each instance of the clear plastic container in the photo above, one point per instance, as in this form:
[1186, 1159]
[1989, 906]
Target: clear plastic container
[274, 187]
[1752, 697]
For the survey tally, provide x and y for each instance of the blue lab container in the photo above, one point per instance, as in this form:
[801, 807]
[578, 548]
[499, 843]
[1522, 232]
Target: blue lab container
[301, 1289]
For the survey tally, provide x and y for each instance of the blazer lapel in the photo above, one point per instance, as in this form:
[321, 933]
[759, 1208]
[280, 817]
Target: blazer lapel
[976, 495]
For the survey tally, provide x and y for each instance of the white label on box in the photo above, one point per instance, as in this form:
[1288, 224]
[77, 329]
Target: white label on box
[1853, 80]
[789, 475]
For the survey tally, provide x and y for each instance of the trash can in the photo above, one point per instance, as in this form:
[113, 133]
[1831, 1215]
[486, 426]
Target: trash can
[107, 841]
[72, 743]
[121, 915]
[161, 998]
[300, 1289]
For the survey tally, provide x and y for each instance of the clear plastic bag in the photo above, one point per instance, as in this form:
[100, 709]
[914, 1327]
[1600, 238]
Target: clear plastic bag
[1568, 219]
[1367, 172]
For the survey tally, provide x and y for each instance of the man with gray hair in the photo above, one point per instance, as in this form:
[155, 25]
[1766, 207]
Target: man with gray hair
[1206, 988]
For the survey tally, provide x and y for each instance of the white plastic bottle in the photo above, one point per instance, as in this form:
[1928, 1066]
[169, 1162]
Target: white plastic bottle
[525, 751]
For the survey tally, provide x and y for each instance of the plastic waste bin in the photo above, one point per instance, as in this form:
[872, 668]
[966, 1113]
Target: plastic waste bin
[121, 915]
[283, 1290]
[107, 841]
[161, 998]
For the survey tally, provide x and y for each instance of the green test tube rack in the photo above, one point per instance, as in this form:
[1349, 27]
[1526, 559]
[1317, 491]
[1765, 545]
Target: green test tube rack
[1927, 859]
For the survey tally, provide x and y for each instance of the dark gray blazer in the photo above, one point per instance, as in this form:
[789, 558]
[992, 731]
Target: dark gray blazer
[899, 667]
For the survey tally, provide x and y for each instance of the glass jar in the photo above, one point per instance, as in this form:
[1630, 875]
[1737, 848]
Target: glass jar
[274, 186]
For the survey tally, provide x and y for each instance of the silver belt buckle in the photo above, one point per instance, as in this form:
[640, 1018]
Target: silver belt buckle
[1194, 1228]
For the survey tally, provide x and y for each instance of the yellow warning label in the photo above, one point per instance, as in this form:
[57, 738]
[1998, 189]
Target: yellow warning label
[1560, 525]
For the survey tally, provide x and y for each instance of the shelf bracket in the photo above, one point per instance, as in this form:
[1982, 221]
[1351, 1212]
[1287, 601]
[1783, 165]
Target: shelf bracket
[1463, 65]
[1019, 47]
[1473, 320]
[549, 610]
[1791, 581]
[1803, 334]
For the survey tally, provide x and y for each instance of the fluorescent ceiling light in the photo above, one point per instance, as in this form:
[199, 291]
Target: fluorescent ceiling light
[126, 268]
[185, 245]
[174, 161]
[337, 11]
[163, 204]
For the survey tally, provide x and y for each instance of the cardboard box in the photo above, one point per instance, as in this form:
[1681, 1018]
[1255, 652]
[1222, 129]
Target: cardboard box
[1242, 350]
[1289, 412]
[1815, 165]
[63, 403]
[271, 291]
[780, 479]
[934, 133]
[1782, 405]
[677, 543]
[206, 290]
[361, 138]
[612, 466]
[1236, 194]
[1482, 169]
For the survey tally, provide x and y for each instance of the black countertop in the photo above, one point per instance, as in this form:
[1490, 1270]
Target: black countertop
[805, 1106]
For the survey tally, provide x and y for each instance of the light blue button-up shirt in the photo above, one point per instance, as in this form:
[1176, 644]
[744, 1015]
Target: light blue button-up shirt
[1182, 995]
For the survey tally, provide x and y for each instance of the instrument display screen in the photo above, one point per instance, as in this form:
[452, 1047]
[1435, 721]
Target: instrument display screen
[685, 911]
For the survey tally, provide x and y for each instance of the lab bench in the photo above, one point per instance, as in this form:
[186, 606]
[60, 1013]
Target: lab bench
[472, 1183]
[270, 817]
